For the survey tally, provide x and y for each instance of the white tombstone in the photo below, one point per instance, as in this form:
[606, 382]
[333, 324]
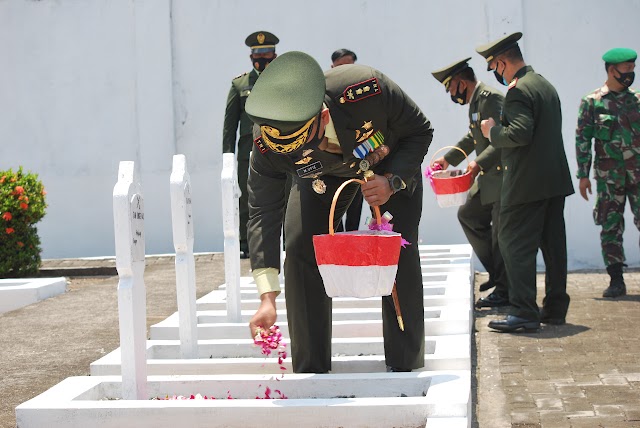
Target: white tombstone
[128, 217]
[231, 228]
[182, 221]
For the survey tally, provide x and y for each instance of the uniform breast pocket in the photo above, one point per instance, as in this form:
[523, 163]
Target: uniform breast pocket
[604, 126]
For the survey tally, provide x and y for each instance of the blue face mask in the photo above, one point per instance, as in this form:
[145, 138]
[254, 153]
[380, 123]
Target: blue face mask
[500, 77]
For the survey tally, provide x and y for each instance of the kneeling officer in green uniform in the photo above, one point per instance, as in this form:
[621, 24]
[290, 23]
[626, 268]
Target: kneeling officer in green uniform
[324, 129]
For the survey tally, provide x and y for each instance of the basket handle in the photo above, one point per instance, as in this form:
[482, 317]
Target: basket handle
[449, 147]
[376, 210]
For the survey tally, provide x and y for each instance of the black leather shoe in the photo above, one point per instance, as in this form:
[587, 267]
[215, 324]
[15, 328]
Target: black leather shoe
[546, 318]
[513, 323]
[487, 285]
[244, 250]
[396, 370]
[493, 300]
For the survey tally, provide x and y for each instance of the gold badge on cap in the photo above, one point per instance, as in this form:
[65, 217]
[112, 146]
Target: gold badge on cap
[260, 38]
[319, 186]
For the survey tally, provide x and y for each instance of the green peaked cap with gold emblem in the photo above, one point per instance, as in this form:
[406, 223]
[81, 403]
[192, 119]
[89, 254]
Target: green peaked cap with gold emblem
[261, 41]
[492, 49]
[444, 75]
[618, 55]
[286, 99]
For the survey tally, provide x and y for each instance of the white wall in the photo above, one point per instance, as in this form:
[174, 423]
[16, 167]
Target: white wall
[87, 84]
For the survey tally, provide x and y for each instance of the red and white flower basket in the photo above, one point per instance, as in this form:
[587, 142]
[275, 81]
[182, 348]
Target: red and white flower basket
[360, 263]
[450, 186]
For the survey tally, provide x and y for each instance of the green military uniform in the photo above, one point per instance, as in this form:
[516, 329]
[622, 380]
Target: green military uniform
[480, 215]
[536, 180]
[612, 120]
[240, 89]
[373, 118]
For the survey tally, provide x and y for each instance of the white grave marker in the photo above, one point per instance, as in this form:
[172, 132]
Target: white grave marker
[231, 227]
[128, 216]
[182, 220]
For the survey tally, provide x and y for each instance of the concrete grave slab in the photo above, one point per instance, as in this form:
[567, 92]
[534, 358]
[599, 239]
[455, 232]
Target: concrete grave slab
[353, 400]
[20, 292]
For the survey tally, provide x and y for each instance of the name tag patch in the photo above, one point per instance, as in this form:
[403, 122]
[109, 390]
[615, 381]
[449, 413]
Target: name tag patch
[309, 170]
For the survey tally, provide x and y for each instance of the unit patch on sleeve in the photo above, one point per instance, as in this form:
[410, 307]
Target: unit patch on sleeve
[360, 91]
[260, 145]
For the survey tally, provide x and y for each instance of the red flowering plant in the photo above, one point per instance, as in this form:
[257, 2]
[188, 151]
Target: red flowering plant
[22, 205]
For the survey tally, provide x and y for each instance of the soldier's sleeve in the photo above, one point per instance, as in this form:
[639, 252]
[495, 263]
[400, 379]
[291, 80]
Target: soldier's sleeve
[584, 136]
[454, 157]
[231, 119]
[518, 109]
[266, 188]
[412, 129]
[490, 157]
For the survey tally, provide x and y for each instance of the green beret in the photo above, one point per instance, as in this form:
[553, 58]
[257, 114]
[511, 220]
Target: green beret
[495, 48]
[286, 100]
[444, 75]
[261, 41]
[618, 55]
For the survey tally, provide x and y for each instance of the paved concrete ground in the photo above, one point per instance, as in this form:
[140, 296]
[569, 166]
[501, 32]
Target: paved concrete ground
[585, 374]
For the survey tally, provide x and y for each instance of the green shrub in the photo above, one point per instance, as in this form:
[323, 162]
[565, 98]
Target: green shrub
[22, 205]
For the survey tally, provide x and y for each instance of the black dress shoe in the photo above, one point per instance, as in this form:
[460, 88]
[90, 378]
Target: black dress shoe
[493, 300]
[487, 285]
[397, 370]
[244, 250]
[513, 323]
[546, 318]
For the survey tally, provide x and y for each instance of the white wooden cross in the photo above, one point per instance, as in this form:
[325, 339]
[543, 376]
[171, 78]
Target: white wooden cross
[182, 221]
[128, 216]
[231, 227]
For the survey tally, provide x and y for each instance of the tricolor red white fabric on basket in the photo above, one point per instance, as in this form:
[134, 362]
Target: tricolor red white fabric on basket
[450, 186]
[360, 263]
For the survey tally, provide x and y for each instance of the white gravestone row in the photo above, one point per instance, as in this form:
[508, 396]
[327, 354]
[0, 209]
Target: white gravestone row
[128, 211]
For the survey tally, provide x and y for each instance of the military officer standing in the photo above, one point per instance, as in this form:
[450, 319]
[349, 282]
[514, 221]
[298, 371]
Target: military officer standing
[480, 215]
[263, 51]
[536, 181]
[610, 115]
[324, 129]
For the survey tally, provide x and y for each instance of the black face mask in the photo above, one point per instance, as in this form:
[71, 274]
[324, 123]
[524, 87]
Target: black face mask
[625, 79]
[500, 77]
[261, 63]
[459, 97]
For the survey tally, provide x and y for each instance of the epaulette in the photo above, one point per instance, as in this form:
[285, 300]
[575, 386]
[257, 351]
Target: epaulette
[360, 91]
[513, 83]
[240, 75]
[485, 93]
[260, 145]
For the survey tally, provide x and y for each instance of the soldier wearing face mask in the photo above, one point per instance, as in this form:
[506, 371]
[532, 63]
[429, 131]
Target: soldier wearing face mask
[535, 182]
[610, 116]
[480, 215]
[263, 51]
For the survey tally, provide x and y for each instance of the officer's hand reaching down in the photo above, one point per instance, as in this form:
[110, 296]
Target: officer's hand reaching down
[266, 314]
[377, 190]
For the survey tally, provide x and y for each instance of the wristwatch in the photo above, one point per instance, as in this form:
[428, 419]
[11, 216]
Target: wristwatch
[396, 183]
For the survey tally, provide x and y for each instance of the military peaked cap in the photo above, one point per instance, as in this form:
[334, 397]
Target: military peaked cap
[262, 41]
[286, 100]
[495, 48]
[444, 75]
[618, 55]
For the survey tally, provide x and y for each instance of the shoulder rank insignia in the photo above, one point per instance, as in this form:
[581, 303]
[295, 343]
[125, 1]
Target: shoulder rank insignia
[260, 145]
[513, 83]
[240, 75]
[360, 91]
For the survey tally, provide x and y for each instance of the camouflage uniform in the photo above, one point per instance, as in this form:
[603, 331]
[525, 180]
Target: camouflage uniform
[613, 120]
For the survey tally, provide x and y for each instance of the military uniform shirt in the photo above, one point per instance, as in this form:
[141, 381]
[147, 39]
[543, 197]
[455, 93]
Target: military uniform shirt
[612, 119]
